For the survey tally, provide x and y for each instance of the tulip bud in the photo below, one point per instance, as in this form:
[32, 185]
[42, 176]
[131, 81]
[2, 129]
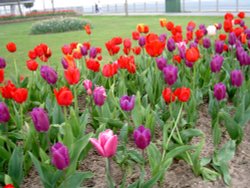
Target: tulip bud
[206, 43]
[2, 63]
[216, 63]
[161, 63]
[142, 41]
[170, 74]
[99, 95]
[60, 156]
[219, 91]
[84, 50]
[142, 137]
[88, 86]
[237, 78]
[106, 144]
[64, 63]
[48, 74]
[92, 52]
[4, 113]
[171, 44]
[127, 103]
[40, 119]
[219, 46]
[232, 38]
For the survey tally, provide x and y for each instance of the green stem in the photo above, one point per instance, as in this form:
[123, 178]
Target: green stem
[142, 170]
[172, 132]
[16, 70]
[194, 77]
[65, 114]
[21, 116]
[76, 101]
[110, 181]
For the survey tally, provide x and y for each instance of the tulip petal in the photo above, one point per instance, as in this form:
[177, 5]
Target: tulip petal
[97, 145]
[111, 146]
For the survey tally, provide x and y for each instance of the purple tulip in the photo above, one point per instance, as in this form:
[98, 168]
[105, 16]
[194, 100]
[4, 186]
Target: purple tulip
[161, 63]
[88, 86]
[4, 113]
[194, 44]
[219, 46]
[232, 38]
[219, 91]
[142, 41]
[237, 78]
[189, 64]
[60, 156]
[92, 52]
[248, 44]
[171, 44]
[206, 43]
[242, 56]
[170, 74]
[48, 74]
[182, 51]
[219, 26]
[64, 63]
[84, 50]
[142, 137]
[247, 32]
[2, 63]
[216, 63]
[40, 119]
[127, 103]
[242, 23]
[163, 37]
[203, 28]
[99, 95]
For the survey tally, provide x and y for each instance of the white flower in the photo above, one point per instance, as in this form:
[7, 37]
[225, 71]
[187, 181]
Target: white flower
[211, 30]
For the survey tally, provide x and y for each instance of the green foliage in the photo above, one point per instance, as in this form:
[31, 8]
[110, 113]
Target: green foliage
[58, 25]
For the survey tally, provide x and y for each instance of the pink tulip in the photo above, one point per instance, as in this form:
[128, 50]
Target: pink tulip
[106, 144]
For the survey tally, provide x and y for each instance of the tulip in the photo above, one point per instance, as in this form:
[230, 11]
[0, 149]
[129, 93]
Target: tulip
[161, 63]
[11, 47]
[93, 65]
[232, 38]
[110, 70]
[84, 50]
[2, 63]
[248, 44]
[32, 65]
[192, 54]
[106, 144]
[1, 75]
[216, 63]
[211, 30]
[8, 90]
[168, 95]
[72, 75]
[99, 95]
[64, 96]
[170, 74]
[219, 46]
[163, 37]
[142, 41]
[64, 63]
[66, 49]
[142, 137]
[92, 52]
[4, 113]
[40, 119]
[48, 74]
[127, 103]
[183, 94]
[60, 156]
[9, 186]
[20, 95]
[171, 44]
[219, 91]
[237, 78]
[88, 86]
[206, 43]
[189, 64]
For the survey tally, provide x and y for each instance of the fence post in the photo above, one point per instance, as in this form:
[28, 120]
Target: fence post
[145, 6]
[156, 6]
[183, 5]
[134, 7]
[199, 5]
[217, 5]
[115, 8]
[237, 5]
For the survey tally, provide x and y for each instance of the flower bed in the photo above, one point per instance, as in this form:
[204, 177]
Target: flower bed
[141, 110]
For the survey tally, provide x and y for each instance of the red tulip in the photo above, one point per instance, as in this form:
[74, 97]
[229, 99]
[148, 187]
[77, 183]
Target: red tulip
[135, 35]
[199, 34]
[229, 16]
[163, 22]
[72, 75]
[183, 94]
[66, 49]
[228, 26]
[241, 15]
[93, 65]
[11, 47]
[168, 95]
[192, 54]
[32, 54]
[32, 65]
[127, 62]
[9, 186]
[110, 70]
[223, 37]
[87, 29]
[170, 26]
[20, 95]
[8, 90]
[154, 47]
[64, 96]
[136, 50]
[142, 28]
[127, 43]
[177, 58]
[1, 75]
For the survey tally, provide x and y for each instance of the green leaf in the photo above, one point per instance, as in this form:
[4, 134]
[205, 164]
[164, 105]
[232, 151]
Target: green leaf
[178, 150]
[45, 158]
[216, 132]
[74, 123]
[15, 169]
[75, 151]
[188, 134]
[7, 179]
[4, 153]
[154, 158]
[57, 115]
[75, 180]
[227, 152]
[124, 134]
[136, 156]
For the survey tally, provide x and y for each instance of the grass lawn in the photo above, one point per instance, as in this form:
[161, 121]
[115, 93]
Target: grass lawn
[105, 27]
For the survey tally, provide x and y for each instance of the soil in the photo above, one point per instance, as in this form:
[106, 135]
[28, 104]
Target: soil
[179, 175]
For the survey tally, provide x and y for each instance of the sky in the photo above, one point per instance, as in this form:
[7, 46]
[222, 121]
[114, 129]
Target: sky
[39, 4]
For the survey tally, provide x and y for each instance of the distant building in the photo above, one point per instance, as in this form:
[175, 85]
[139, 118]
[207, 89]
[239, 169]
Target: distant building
[9, 6]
